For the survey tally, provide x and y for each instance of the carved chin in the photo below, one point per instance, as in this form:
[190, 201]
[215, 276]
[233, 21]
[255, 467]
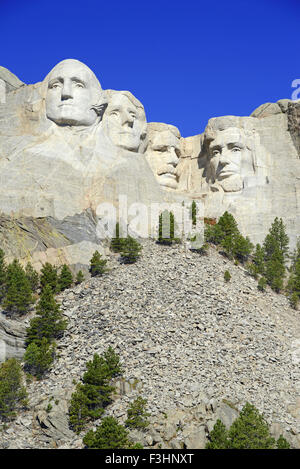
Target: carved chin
[233, 183]
[168, 180]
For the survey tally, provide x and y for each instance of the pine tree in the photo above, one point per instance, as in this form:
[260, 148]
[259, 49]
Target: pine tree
[131, 250]
[18, 290]
[116, 243]
[79, 277]
[137, 415]
[250, 431]
[13, 394]
[39, 357]
[262, 283]
[194, 213]
[282, 443]
[32, 276]
[293, 286]
[79, 409]
[49, 277]
[276, 253]
[65, 278]
[258, 261]
[166, 228]
[2, 275]
[109, 435]
[49, 322]
[90, 398]
[218, 437]
[97, 264]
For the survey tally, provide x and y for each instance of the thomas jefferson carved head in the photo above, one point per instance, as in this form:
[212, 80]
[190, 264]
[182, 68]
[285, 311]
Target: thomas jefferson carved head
[124, 121]
[73, 94]
[235, 156]
[163, 153]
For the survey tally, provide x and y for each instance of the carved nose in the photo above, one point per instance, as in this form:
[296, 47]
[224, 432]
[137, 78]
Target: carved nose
[127, 119]
[66, 92]
[172, 156]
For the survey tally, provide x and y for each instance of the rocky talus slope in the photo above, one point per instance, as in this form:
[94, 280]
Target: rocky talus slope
[196, 347]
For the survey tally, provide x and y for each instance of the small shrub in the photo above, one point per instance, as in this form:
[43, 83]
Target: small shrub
[65, 278]
[131, 250]
[79, 277]
[39, 357]
[109, 435]
[13, 394]
[262, 284]
[227, 276]
[97, 265]
[137, 415]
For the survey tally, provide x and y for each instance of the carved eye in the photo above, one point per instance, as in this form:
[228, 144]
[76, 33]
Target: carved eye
[79, 85]
[133, 115]
[215, 152]
[235, 149]
[55, 85]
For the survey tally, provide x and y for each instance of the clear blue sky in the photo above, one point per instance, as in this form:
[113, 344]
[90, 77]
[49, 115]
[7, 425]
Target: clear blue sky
[186, 60]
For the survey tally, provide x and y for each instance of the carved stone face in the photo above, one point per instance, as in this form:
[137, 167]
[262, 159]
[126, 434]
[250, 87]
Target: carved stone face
[72, 92]
[124, 123]
[163, 156]
[227, 153]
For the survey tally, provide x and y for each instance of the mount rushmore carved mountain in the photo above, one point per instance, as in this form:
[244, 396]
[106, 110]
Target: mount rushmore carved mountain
[67, 146]
[72, 156]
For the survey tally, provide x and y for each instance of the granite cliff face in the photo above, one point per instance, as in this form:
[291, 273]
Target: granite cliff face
[67, 147]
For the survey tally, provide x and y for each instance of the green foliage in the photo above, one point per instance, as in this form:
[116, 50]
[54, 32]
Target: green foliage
[194, 213]
[109, 435]
[18, 295]
[294, 300]
[131, 250]
[116, 244]
[97, 264]
[13, 394]
[282, 443]
[90, 398]
[79, 277]
[32, 276]
[137, 415]
[248, 431]
[276, 253]
[48, 322]
[65, 278]
[227, 276]
[259, 259]
[2, 275]
[218, 437]
[226, 234]
[166, 228]
[262, 283]
[39, 357]
[293, 286]
[49, 277]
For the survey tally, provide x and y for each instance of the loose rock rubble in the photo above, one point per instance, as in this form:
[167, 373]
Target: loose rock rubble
[195, 347]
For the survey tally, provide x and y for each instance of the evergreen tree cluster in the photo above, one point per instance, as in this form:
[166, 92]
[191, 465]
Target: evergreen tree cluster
[226, 234]
[268, 263]
[248, 431]
[13, 394]
[129, 248]
[45, 327]
[93, 394]
[166, 229]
